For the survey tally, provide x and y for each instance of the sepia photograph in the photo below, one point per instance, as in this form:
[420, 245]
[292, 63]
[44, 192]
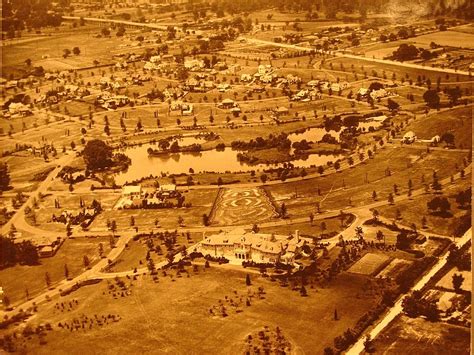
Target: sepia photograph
[236, 177]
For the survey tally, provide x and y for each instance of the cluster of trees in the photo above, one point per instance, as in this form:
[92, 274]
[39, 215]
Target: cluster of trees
[459, 258]
[463, 198]
[12, 253]
[20, 15]
[280, 141]
[439, 205]
[67, 52]
[98, 156]
[415, 305]
[174, 147]
[433, 100]
[405, 52]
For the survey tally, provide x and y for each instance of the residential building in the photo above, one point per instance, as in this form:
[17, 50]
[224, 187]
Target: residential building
[238, 246]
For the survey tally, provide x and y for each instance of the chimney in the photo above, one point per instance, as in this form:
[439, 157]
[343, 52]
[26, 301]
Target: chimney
[297, 235]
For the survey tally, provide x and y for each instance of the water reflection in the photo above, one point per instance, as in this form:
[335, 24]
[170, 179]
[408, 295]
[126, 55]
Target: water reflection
[206, 161]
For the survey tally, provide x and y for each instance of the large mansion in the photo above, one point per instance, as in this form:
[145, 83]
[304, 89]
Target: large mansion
[238, 246]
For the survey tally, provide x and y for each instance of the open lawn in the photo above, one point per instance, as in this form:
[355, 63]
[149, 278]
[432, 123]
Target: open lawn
[15, 280]
[457, 121]
[412, 211]
[447, 38]
[419, 336]
[361, 66]
[134, 254]
[320, 227]
[355, 186]
[154, 312]
[53, 46]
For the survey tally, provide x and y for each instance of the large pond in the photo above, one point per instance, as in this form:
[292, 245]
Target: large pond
[144, 165]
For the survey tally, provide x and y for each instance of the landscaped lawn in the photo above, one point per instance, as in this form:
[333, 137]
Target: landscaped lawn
[156, 315]
[412, 211]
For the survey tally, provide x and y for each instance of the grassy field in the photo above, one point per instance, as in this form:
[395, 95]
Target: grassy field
[331, 226]
[447, 38]
[201, 201]
[53, 46]
[457, 122]
[350, 186]
[134, 254]
[361, 66]
[155, 314]
[412, 211]
[419, 336]
[15, 280]
[370, 264]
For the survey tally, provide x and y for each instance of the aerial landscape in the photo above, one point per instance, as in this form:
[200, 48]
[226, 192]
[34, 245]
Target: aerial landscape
[236, 177]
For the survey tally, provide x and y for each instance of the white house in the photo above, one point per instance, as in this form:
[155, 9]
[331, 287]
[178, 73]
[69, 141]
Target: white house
[409, 137]
[167, 189]
[132, 191]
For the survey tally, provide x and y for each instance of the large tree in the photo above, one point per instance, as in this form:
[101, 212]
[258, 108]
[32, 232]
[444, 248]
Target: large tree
[431, 98]
[97, 155]
[439, 204]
